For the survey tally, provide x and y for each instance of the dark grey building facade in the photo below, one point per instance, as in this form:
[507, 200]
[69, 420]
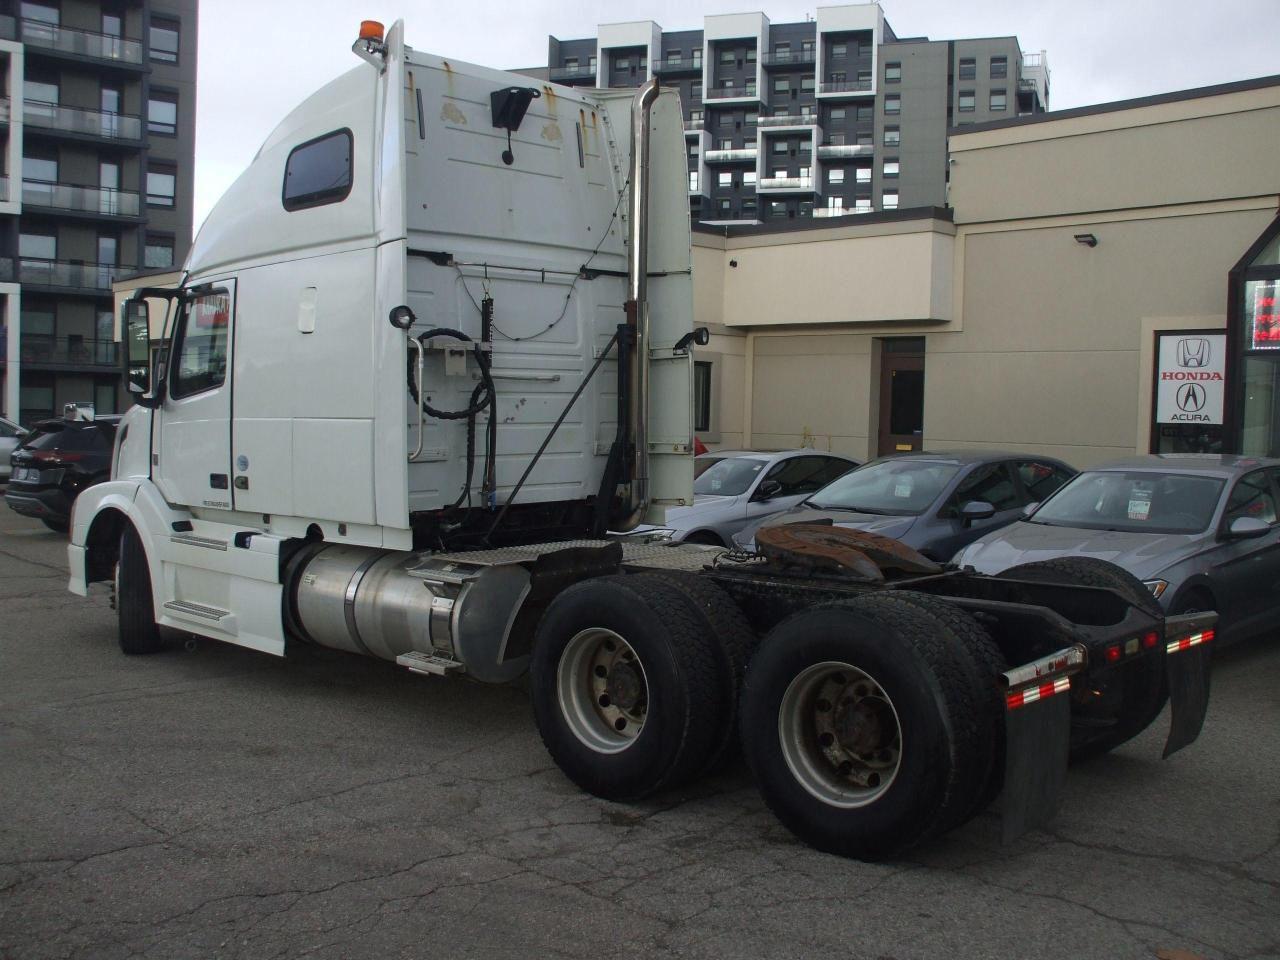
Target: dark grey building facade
[830, 117]
[97, 119]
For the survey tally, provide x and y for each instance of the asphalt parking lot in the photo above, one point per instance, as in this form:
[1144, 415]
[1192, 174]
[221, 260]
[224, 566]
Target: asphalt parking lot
[216, 802]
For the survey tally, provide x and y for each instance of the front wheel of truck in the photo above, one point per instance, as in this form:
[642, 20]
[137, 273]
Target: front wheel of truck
[135, 610]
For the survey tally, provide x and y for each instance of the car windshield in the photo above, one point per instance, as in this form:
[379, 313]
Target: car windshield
[59, 437]
[730, 477]
[899, 488]
[1138, 502]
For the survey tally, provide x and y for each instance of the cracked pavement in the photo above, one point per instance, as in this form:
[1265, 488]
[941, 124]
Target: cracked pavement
[222, 803]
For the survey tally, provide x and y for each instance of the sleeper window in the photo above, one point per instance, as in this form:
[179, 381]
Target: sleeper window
[318, 171]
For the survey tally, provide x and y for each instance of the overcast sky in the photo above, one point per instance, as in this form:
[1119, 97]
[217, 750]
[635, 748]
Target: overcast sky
[256, 64]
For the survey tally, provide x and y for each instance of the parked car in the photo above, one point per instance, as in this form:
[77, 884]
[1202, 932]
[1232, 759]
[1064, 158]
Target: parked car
[736, 487]
[54, 462]
[10, 434]
[933, 502]
[1200, 530]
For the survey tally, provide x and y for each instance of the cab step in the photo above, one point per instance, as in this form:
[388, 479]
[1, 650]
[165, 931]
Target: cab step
[428, 664]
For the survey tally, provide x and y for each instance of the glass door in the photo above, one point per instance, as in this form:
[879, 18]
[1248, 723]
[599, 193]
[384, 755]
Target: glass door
[901, 395]
[109, 187]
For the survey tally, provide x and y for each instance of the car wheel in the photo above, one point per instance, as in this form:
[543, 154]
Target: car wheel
[704, 537]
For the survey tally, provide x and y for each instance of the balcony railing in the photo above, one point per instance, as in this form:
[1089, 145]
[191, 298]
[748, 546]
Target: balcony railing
[784, 183]
[561, 74]
[68, 196]
[64, 274]
[788, 58]
[695, 125]
[81, 43]
[741, 153]
[789, 120]
[678, 65]
[94, 123]
[730, 93]
[830, 151]
[845, 86]
[39, 348]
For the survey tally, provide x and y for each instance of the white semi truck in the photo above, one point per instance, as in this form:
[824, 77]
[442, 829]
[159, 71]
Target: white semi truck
[431, 347]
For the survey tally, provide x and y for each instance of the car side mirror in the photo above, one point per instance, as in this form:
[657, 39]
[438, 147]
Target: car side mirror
[135, 324]
[976, 510]
[1248, 528]
[768, 490]
[1029, 509]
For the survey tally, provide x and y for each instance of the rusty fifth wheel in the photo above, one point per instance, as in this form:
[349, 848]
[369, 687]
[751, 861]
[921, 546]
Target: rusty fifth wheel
[629, 686]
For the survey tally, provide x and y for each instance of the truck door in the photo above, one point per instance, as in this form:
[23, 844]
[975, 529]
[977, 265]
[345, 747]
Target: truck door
[192, 466]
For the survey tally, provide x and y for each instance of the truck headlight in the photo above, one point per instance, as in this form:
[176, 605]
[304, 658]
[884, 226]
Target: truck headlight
[1157, 587]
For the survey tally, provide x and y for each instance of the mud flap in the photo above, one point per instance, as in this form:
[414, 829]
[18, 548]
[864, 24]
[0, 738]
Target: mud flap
[1038, 741]
[1188, 695]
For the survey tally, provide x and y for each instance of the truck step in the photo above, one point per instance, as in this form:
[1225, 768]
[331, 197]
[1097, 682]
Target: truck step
[203, 614]
[428, 664]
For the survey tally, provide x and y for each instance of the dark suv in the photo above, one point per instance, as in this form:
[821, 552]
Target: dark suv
[54, 462]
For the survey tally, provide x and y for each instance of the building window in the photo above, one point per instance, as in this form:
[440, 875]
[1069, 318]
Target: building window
[839, 51]
[726, 207]
[751, 54]
[750, 117]
[725, 144]
[835, 175]
[748, 178]
[865, 138]
[164, 41]
[862, 174]
[864, 79]
[40, 320]
[836, 139]
[836, 113]
[39, 13]
[695, 116]
[892, 136]
[892, 104]
[725, 119]
[727, 56]
[571, 64]
[702, 395]
[693, 149]
[695, 93]
[591, 64]
[838, 77]
[967, 101]
[161, 184]
[37, 246]
[862, 205]
[39, 169]
[892, 72]
[779, 146]
[968, 69]
[318, 171]
[162, 114]
[890, 200]
[158, 253]
[674, 57]
[724, 180]
[807, 111]
[865, 113]
[999, 68]
[749, 209]
[835, 204]
[891, 168]
[782, 51]
[807, 84]
[781, 85]
[693, 179]
[39, 91]
[999, 100]
[778, 208]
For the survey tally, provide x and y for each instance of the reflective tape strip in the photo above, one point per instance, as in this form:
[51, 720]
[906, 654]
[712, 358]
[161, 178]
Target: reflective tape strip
[1020, 698]
[1186, 643]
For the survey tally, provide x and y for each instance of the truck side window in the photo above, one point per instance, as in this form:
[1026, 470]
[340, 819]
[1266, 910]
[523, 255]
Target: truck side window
[318, 171]
[202, 345]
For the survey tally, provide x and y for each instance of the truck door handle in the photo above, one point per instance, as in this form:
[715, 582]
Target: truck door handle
[241, 483]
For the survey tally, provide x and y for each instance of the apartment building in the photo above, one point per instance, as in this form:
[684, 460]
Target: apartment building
[831, 117]
[97, 136]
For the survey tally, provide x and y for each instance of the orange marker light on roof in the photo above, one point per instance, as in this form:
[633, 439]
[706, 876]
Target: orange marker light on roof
[372, 30]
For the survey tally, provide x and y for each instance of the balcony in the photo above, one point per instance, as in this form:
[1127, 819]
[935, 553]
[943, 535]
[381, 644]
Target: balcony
[836, 151]
[694, 126]
[675, 66]
[572, 74]
[731, 156]
[103, 201]
[89, 123]
[785, 184]
[81, 43]
[790, 58]
[789, 120]
[62, 274]
[850, 88]
[40, 349]
[744, 92]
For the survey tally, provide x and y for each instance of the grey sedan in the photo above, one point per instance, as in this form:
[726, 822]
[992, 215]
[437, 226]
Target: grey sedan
[933, 502]
[1200, 530]
[737, 487]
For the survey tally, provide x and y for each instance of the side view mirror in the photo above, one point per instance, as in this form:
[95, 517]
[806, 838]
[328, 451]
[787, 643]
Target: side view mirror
[1248, 528]
[1029, 509]
[768, 490]
[976, 510]
[135, 328]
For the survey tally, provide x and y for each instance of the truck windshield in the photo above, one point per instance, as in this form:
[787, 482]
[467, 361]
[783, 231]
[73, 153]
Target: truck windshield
[1138, 502]
[899, 488]
[730, 477]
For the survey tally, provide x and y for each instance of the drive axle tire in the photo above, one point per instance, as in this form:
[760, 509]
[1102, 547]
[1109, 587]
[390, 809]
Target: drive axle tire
[628, 693]
[134, 607]
[1134, 694]
[866, 726]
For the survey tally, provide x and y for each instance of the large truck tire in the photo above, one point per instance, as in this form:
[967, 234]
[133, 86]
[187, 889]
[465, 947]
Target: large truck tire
[627, 690]
[1137, 691]
[865, 725]
[735, 643]
[135, 609]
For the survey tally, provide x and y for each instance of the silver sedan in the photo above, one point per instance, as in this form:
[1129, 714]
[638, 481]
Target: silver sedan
[735, 488]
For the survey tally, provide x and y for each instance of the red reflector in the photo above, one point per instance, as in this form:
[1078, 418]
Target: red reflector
[1186, 643]
[1113, 653]
[1151, 639]
[1020, 698]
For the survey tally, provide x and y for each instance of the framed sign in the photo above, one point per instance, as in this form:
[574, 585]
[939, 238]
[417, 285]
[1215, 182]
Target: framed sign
[1190, 377]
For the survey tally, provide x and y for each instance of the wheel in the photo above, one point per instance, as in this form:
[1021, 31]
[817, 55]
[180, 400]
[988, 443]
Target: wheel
[735, 643]
[57, 526]
[1131, 698]
[134, 608]
[627, 691]
[866, 726]
[704, 537]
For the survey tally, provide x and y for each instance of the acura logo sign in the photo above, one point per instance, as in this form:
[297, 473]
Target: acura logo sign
[1193, 352]
[1190, 398]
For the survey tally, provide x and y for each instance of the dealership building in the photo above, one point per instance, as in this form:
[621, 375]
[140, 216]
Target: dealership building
[1101, 283]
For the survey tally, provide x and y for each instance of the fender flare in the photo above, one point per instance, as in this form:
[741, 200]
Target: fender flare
[100, 512]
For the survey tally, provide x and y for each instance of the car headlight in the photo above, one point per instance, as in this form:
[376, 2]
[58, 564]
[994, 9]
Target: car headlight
[1157, 587]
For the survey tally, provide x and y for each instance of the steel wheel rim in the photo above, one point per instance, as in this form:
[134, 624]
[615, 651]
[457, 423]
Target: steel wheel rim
[602, 690]
[840, 734]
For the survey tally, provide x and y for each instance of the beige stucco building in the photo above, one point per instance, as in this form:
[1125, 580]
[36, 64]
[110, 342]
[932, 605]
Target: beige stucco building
[1028, 315]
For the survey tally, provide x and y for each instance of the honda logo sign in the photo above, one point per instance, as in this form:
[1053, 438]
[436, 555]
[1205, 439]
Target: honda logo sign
[1190, 378]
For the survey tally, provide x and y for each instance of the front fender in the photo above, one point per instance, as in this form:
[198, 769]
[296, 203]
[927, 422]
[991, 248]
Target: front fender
[139, 502]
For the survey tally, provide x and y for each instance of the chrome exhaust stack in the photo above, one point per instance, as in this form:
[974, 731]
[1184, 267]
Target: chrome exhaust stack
[637, 307]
